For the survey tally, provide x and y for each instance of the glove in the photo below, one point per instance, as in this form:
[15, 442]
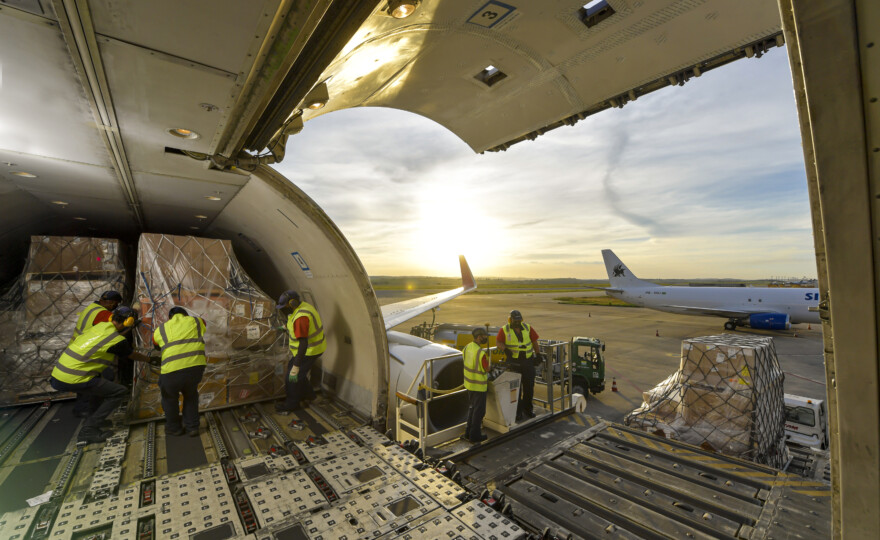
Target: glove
[293, 376]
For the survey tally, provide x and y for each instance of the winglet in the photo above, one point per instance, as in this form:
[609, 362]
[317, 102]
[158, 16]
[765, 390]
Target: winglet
[468, 282]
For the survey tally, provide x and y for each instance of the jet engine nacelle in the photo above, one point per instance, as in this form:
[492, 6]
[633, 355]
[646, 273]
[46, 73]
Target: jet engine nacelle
[770, 321]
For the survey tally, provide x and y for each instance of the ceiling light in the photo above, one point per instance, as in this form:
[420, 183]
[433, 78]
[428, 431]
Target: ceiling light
[401, 9]
[60, 203]
[23, 174]
[80, 218]
[317, 97]
[184, 133]
[194, 228]
[213, 198]
[200, 216]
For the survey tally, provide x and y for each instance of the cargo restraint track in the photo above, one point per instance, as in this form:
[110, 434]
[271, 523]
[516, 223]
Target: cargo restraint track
[321, 473]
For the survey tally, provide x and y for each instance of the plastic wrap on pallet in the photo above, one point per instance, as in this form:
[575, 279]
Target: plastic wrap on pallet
[247, 354]
[62, 275]
[727, 396]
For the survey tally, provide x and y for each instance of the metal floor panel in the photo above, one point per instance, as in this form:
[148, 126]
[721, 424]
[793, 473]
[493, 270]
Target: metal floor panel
[26, 481]
[56, 434]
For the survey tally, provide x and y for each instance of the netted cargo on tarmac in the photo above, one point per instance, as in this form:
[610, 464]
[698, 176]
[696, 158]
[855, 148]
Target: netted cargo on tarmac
[62, 275]
[727, 396]
[247, 355]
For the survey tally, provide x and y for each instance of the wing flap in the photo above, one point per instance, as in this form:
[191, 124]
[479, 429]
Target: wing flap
[400, 312]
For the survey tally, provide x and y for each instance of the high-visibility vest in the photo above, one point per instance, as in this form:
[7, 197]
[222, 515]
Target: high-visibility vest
[86, 357]
[87, 318]
[517, 345]
[475, 379]
[316, 343]
[182, 341]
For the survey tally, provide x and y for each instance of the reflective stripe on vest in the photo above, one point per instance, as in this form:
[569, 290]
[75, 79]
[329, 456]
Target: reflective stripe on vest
[515, 344]
[87, 355]
[475, 379]
[316, 343]
[182, 343]
[86, 318]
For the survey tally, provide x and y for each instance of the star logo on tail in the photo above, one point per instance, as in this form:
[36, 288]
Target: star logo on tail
[619, 270]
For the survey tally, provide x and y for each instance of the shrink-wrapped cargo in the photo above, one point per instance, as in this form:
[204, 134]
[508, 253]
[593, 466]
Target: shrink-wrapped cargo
[727, 396]
[247, 354]
[61, 276]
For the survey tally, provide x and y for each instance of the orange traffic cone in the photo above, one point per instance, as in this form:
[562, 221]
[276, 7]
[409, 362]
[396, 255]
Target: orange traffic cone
[613, 384]
[657, 333]
[809, 327]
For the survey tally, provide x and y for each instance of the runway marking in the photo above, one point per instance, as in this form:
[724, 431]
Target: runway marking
[804, 378]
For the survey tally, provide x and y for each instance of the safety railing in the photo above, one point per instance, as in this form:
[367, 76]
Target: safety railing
[555, 374]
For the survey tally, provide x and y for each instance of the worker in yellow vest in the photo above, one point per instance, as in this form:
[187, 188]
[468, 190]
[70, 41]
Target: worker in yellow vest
[94, 313]
[79, 368]
[519, 342]
[476, 382]
[182, 341]
[306, 333]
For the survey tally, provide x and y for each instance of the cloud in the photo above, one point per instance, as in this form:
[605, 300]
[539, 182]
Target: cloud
[705, 180]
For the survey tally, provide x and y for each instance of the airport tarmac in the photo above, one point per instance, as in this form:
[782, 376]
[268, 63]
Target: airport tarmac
[634, 354]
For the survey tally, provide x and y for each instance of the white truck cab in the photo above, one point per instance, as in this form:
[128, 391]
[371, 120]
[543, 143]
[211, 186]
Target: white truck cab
[806, 422]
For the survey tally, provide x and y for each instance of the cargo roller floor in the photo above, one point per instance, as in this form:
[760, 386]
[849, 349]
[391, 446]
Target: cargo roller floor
[26, 481]
[56, 434]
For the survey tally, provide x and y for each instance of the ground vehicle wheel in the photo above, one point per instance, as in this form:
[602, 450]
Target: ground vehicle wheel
[579, 387]
[729, 326]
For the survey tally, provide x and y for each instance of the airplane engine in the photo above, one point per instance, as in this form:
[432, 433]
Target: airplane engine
[770, 321]
[408, 354]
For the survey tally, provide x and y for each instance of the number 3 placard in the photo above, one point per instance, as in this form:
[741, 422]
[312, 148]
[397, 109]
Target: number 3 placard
[491, 14]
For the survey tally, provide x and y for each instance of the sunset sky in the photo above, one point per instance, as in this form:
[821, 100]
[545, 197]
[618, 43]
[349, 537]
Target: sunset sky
[704, 180]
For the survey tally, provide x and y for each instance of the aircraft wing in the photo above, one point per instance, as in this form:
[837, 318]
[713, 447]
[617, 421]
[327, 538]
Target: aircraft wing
[718, 312]
[609, 289]
[399, 312]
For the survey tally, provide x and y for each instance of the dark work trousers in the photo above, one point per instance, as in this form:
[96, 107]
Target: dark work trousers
[475, 414]
[302, 388]
[87, 404]
[526, 368]
[103, 394]
[183, 381]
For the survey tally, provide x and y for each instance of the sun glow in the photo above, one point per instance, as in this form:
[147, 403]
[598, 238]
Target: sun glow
[453, 221]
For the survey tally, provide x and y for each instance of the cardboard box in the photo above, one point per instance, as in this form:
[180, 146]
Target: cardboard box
[187, 263]
[70, 254]
[53, 305]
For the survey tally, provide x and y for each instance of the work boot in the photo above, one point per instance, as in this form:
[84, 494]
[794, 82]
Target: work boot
[529, 414]
[282, 408]
[193, 432]
[174, 432]
[480, 439]
[93, 436]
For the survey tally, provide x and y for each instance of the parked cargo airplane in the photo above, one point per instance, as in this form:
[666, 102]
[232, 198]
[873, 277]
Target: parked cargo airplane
[757, 307]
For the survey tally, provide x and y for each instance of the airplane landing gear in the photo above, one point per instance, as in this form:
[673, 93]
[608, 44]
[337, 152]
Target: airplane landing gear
[730, 325]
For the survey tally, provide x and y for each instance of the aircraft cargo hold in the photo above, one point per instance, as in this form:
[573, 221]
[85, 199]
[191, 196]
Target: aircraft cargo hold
[247, 356]
[726, 397]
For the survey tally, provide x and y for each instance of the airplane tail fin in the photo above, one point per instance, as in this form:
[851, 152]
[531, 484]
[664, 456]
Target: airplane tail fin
[619, 275]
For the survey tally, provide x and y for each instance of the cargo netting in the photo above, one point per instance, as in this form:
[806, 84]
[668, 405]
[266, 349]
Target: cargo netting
[62, 275]
[247, 353]
[726, 397]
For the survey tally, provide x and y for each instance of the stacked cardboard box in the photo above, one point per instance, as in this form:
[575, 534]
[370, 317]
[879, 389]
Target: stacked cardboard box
[247, 356]
[727, 396]
[62, 275]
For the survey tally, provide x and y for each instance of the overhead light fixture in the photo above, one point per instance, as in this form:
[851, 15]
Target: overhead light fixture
[194, 228]
[23, 174]
[213, 198]
[184, 133]
[60, 203]
[401, 9]
[317, 97]
[200, 216]
[80, 218]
